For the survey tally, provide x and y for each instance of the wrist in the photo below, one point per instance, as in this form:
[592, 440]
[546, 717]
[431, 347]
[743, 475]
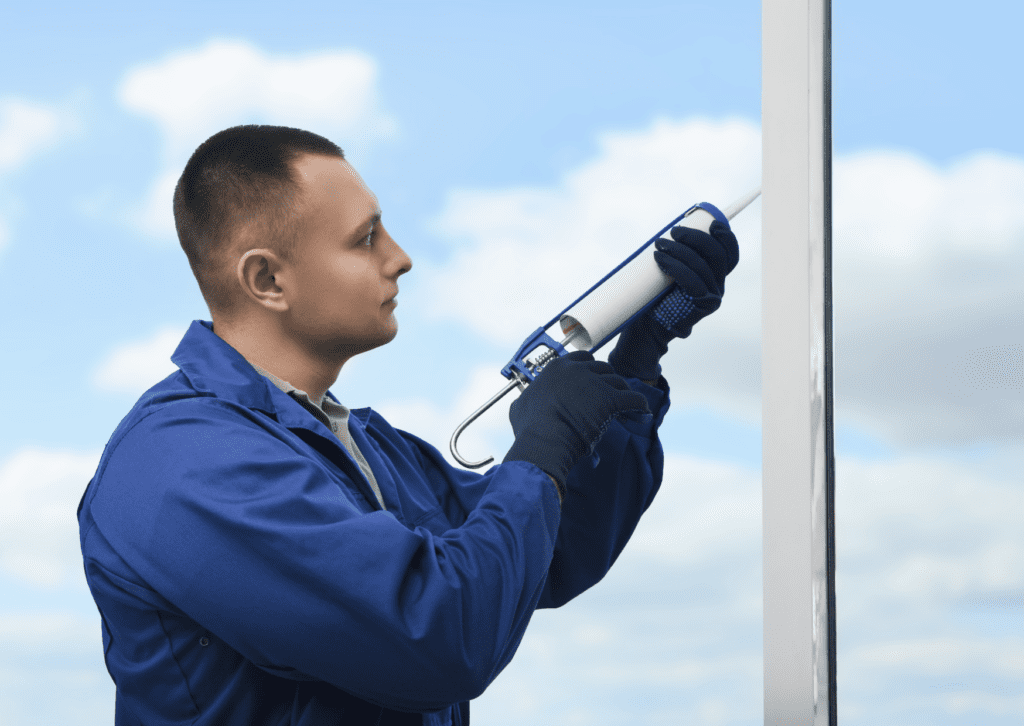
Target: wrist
[522, 451]
[639, 350]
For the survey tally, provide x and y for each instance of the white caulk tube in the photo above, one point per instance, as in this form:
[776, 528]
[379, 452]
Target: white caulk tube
[641, 280]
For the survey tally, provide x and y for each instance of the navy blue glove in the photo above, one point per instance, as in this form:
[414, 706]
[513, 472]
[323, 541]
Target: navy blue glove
[698, 263]
[563, 414]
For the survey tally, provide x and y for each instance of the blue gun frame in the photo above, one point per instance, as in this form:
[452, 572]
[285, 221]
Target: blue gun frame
[521, 373]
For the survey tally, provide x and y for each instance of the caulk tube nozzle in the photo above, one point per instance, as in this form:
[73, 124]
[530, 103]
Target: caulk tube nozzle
[742, 203]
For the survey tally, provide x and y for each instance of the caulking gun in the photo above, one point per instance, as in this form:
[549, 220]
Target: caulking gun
[599, 314]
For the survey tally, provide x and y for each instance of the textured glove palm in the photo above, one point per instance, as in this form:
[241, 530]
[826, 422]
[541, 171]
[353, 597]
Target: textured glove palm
[699, 263]
[563, 414]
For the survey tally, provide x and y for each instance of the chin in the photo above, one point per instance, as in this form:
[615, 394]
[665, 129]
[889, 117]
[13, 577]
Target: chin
[347, 348]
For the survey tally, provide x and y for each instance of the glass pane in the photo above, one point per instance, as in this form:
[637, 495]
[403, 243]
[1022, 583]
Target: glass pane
[929, 372]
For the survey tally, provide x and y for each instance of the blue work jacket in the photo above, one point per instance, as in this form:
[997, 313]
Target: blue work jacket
[245, 573]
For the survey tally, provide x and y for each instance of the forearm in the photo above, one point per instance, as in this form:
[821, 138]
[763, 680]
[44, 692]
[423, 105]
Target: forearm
[559, 488]
[606, 496]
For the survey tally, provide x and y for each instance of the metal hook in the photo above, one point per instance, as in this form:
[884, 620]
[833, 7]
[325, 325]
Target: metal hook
[476, 414]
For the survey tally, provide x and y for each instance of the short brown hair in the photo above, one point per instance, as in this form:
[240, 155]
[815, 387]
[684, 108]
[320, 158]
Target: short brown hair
[240, 182]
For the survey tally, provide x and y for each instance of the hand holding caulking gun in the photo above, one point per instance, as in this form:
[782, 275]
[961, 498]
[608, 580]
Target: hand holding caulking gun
[603, 311]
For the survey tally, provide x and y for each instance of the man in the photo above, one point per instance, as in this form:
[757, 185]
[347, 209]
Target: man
[260, 554]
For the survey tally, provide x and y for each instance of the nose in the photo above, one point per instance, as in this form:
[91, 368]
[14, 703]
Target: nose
[399, 259]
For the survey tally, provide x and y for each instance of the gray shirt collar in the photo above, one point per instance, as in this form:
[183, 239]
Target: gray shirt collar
[325, 404]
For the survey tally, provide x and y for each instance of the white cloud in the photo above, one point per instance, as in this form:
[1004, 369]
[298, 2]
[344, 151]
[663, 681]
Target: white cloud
[82, 696]
[59, 631]
[5, 233]
[929, 306]
[928, 302]
[1003, 656]
[192, 94]
[40, 489]
[51, 665]
[134, 367]
[27, 129]
[898, 209]
[706, 510]
[917, 530]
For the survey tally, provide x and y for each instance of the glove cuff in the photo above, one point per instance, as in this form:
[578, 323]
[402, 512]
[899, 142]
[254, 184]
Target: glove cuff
[543, 458]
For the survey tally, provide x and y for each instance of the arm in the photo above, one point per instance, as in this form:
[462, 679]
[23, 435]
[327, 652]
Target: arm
[262, 547]
[603, 504]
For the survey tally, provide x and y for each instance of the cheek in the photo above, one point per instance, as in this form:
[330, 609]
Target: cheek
[345, 279]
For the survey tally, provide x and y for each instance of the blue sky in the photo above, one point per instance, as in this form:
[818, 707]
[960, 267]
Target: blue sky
[523, 152]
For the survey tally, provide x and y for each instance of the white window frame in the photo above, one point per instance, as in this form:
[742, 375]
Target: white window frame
[798, 463]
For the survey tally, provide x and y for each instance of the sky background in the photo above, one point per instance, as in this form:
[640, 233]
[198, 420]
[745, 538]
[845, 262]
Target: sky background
[519, 153]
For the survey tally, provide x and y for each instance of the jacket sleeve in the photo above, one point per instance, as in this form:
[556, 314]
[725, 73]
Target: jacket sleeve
[261, 546]
[604, 502]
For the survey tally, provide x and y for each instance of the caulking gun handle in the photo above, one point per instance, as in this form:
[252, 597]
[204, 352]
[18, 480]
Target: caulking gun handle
[454, 443]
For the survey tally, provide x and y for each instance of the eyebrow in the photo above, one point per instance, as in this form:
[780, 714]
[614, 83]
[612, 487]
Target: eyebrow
[369, 221]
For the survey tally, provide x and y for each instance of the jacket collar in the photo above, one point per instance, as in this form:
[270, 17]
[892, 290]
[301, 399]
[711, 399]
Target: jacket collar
[213, 367]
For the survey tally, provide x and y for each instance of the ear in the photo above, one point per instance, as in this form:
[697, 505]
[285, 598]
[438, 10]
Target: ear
[257, 272]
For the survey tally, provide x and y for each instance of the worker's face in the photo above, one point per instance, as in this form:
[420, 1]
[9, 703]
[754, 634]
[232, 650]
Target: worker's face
[346, 267]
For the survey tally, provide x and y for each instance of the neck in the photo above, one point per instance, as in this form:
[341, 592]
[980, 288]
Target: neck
[263, 343]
